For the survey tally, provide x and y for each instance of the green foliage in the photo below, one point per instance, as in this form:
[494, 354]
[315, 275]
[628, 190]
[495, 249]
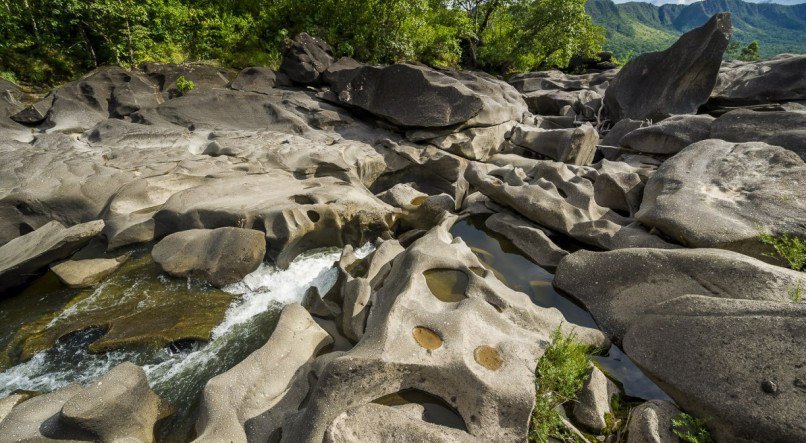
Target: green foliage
[184, 85]
[750, 53]
[560, 375]
[790, 248]
[796, 294]
[690, 429]
[50, 41]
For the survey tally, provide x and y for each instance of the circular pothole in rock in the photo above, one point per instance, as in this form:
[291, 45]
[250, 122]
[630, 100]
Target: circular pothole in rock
[313, 216]
[302, 200]
[426, 338]
[448, 285]
[488, 357]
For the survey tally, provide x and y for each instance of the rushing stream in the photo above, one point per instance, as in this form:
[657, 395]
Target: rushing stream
[238, 320]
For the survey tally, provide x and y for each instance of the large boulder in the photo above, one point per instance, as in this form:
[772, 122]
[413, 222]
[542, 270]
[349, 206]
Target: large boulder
[554, 80]
[670, 136]
[527, 237]
[411, 95]
[108, 92]
[675, 81]
[576, 146]
[583, 103]
[295, 214]
[618, 286]
[306, 58]
[781, 128]
[22, 258]
[119, 406]
[651, 422]
[255, 79]
[717, 194]
[778, 79]
[249, 401]
[223, 256]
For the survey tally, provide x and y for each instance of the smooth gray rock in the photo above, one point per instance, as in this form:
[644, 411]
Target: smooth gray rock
[119, 406]
[554, 80]
[620, 129]
[411, 95]
[670, 136]
[22, 258]
[675, 81]
[778, 79]
[222, 256]
[651, 422]
[717, 194]
[248, 402]
[87, 273]
[255, 79]
[619, 286]
[784, 129]
[715, 358]
[34, 113]
[306, 58]
[583, 103]
[204, 77]
[529, 238]
[594, 400]
[574, 145]
[37, 419]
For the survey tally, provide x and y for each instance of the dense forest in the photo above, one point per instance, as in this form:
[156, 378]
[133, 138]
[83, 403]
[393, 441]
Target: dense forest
[50, 41]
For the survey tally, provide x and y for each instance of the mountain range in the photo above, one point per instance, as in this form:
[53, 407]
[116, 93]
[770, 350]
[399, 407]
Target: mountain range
[688, 2]
[637, 27]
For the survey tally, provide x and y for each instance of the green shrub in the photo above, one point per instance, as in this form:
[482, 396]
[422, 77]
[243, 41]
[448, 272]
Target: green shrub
[690, 429]
[790, 248]
[560, 375]
[184, 85]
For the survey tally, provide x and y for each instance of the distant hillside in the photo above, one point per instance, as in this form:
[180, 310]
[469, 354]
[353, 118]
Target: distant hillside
[637, 27]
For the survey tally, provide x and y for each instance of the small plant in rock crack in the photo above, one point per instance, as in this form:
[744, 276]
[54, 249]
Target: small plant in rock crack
[790, 248]
[690, 429]
[560, 375]
[796, 294]
[184, 85]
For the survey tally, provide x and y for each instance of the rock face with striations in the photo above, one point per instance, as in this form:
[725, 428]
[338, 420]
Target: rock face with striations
[222, 256]
[675, 81]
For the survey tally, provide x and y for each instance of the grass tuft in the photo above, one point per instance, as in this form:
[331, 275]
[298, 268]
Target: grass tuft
[560, 375]
[184, 85]
[690, 429]
[790, 248]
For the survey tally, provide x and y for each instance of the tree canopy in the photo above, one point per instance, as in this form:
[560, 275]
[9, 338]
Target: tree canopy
[48, 41]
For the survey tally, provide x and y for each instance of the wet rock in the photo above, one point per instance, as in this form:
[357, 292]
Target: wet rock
[249, 401]
[416, 339]
[721, 194]
[593, 401]
[778, 79]
[670, 136]
[784, 129]
[22, 258]
[135, 307]
[416, 96]
[118, 406]
[529, 238]
[711, 354]
[107, 92]
[296, 215]
[675, 81]
[560, 197]
[575, 146]
[651, 422]
[87, 273]
[619, 286]
[255, 79]
[306, 58]
[222, 256]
